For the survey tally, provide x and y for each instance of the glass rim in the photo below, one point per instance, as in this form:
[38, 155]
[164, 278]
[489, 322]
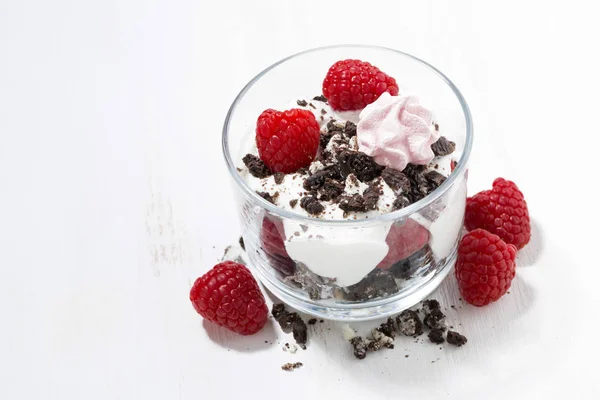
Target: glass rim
[388, 217]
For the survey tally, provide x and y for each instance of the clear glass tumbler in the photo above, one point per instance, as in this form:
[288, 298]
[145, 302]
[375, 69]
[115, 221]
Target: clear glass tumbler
[281, 244]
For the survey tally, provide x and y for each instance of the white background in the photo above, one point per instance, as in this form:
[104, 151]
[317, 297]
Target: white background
[114, 197]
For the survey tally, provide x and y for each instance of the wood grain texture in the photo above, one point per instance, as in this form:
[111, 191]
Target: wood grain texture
[115, 198]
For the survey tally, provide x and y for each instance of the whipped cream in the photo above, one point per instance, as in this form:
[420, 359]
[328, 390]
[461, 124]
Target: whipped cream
[396, 131]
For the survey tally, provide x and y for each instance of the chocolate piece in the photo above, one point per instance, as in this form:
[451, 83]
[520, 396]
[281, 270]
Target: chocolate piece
[436, 320]
[443, 147]
[312, 321]
[396, 180]
[302, 103]
[436, 126]
[405, 269]
[311, 105]
[430, 305]
[359, 164]
[279, 177]
[278, 310]
[388, 328]
[312, 205]
[380, 340]
[256, 166]
[291, 366]
[355, 203]
[371, 195]
[324, 139]
[320, 98]
[360, 347]
[400, 202]
[376, 284]
[242, 245]
[331, 189]
[302, 171]
[436, 336]
[323, 112]
[435, 178]
[287, 320]
[293, 203]
[350, 129]
[409, 323]
[456, 338]
[315, 181]
[334, 128]
[299, 331]
[268, 197]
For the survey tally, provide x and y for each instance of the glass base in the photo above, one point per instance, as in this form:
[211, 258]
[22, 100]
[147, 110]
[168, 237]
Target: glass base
[363, 311]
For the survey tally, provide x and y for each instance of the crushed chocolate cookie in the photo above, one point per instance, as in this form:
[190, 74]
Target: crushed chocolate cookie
[350, 129]
[279, 177]
[320, 98]
[400, 202]
[311, 105]
[312, 205]
[377, 283]
[359, 164]
[435, 178]
[380, 340]
[278, 310]
[436, 336]
[334, 128]
[302, 103]
[430, 305]
[256, 166]
[286, 321]
[456, 338]
[396, 180]
[388, 328]
[268, 197]
[323, 112]
[291, 366]
[443, 147]
[355, 203]
[312, 321]
[405, 269]
[360, 347]
[436, 126]
[299, 331]
[324, 140]
[331, 189]
[293, 203]
[436, 320]
[317, 180]
[242, 245]
[302, 171]
[371, 195]
[409, 323]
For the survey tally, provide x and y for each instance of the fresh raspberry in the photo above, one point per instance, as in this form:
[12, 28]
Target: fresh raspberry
[502, 210]
[272, 242]
[287, 140]
[352, 84]
[485, 267]
[403, 240]
[228, 295]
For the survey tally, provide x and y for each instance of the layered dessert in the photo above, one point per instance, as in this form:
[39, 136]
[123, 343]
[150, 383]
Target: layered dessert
[360, 150]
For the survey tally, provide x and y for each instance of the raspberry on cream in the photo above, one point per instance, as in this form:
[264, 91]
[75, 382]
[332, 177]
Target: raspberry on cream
[396, 131]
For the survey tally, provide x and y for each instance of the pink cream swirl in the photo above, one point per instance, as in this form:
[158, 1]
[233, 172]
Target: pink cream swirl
[397, 130]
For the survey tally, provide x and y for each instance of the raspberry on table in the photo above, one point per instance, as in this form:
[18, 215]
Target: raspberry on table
[229, 296]
[352, 84]
[287, 140]
[502, 211]
[485, 267]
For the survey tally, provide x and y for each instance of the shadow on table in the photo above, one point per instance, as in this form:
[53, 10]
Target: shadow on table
[530, 254]
[233, 341]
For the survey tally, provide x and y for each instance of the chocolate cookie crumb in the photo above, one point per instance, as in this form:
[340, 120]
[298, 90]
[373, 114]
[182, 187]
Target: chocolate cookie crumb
[256, 166]
[302, 171]
[359, 164]
[376, 284]
[312, 205]
[302, 103]
[371, 195]
[324, 139]
[400, 202]
[268, 197]
[436, 336]
[312, 321]
[331, 189]
[396, 180]
[311, 105]
[456, 338]
[380, 340]
[430, 305]
[409, 323]
[242, 245]
[323, 112]
[350, 129]
[388, 328]
[293, 203]
[320, 98]
[360, 347]
[436, 320]
[435, 178]
[291, 366]
[279, 177]
[299, 331]
[355, 203]
[443, 147]
[278, 310]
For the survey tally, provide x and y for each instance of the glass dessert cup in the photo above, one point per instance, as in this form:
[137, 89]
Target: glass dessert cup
[295, 256]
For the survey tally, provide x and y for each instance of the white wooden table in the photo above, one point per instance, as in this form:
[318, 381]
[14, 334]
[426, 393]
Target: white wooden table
[115, 198]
